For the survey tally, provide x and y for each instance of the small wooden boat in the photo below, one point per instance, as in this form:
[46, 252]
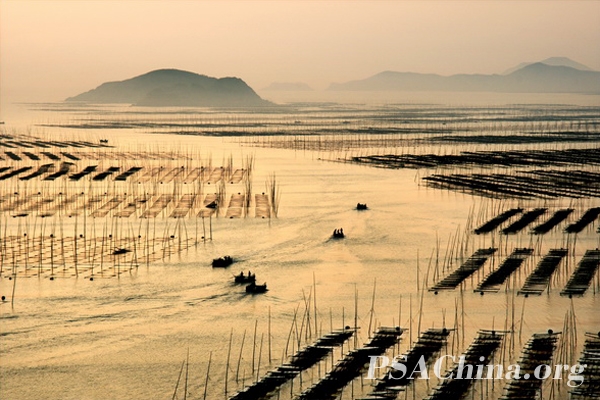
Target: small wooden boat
[241, 278]
[119, 250]
[361, 206]
[254, 288]
[338, 233]
[222, 262]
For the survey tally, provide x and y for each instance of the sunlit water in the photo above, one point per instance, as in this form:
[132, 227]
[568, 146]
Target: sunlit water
[126, 337]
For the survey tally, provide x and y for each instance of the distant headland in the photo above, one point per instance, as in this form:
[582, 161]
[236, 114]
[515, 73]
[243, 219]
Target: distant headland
[553, 75]
[175, 88]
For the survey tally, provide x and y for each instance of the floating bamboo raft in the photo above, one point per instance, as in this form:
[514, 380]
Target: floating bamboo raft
[40, 204]
[590, 387]
[351, 365]
[236, 206]
[496, 278]
[123, 176]
[12, 156]
[110, 205]
[86, 171]
[472, 264]
[14, 202]
[103, 175]
[263, 208]
[586, 219]
[43, 169]
[207, 211]
[32, 156]
[156, 208]
[237, 176]
[192, 175]
[495, 222]
[91, 204]
[51, 156]
[580, 280]
[64, 169]
[215, 176]
[301, 361]
[14, 172]
[482, 348]
[539, 279]
[537, 352]
[525, 220]
[132, 206]
[149, 174]
[558, 217]
[184, 206]
[70, 156]
[428, 345]
[63, 203]
[171, 175]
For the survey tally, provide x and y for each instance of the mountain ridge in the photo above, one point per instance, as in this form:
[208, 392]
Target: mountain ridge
[535, 78]
[174, 88]
[553, 61]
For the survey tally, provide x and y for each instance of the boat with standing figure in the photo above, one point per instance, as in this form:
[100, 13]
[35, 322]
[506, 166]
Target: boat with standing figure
[338, 233]
[241, 278]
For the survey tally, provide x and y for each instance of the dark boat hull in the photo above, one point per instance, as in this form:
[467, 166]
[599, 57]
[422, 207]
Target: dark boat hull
[244, 279]
[222, 262]
[252, 288]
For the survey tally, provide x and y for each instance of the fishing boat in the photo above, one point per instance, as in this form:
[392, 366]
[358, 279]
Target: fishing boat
[254, 288]
[241, 278]
[338, 233]
[361, 206]
[120, 250]
[222, 262]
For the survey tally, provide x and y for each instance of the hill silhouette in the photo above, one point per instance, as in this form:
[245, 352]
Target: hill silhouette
[174, 88]
[554, 61]
[532, 78]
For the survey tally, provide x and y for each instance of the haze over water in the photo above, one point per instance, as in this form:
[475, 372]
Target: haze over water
[126, 333]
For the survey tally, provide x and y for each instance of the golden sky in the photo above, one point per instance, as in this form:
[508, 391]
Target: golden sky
[50, 50]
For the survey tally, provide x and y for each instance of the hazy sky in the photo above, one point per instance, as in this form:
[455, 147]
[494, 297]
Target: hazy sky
[50, 50]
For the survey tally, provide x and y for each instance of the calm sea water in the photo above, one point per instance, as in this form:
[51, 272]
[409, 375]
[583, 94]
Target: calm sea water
[126, 337]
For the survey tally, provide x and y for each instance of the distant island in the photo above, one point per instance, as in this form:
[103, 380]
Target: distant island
[539, 77]
[289, 87]
[554, 61]
[175, 88]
